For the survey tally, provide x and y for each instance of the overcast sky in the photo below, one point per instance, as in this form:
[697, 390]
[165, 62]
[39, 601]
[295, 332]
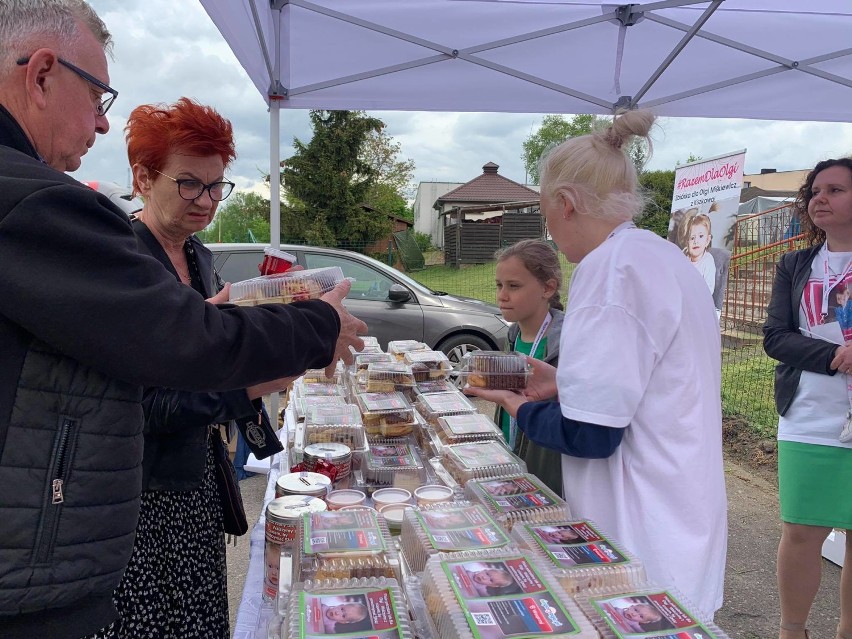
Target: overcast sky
[165, 49]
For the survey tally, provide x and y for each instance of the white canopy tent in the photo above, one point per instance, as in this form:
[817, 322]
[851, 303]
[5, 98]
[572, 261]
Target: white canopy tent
[766, 59]
[762, 59]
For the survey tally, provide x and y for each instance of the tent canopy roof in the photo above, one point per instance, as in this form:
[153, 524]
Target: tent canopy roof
[768, 59]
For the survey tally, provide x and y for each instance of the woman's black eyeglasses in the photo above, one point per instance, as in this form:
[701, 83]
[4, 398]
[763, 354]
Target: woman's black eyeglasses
[192, 189]
[103, 106]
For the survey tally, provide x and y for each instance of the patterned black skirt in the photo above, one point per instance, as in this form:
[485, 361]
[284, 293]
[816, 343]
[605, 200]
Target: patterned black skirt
[175, 585]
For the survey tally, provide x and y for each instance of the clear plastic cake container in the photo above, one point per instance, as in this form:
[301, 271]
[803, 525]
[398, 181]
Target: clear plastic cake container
[303, 388]
[518, 498]
[385, 377]
[496, 370]
[344, 544]
[580, 555]
[318, 376]
[434, 405]
[478, 460]
[284, 288]
[460, 429]
[448, 527]
[645, 610]
[386, 414]
[398, 348]
[428, 365]
[340, 424]
[301, 405]
[361, 360]
[373, 607]
[499, 593]
[394, 462]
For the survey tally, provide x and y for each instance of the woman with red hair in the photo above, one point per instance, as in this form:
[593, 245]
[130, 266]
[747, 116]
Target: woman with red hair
[175, 584]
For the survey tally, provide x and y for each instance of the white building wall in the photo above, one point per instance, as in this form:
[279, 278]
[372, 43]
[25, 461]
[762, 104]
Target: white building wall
[425, 217]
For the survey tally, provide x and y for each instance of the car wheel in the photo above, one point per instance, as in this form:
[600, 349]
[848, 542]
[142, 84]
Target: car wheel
[457, 346]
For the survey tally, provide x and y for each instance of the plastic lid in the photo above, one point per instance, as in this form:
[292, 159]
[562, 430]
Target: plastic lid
[385, 496]
[287, 287]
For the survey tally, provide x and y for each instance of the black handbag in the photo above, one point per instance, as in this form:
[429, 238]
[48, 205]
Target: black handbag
[233, 511]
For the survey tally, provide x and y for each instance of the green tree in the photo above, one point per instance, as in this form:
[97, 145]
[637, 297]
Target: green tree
[243, 217]
[556, 128]
[330, 180]
[658, 187]
[394, 177]
[553, 130]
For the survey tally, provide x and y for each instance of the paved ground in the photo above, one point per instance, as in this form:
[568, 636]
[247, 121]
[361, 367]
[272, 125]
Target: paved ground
[751, 608]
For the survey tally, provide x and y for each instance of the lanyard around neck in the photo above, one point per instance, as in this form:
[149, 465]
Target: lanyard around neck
[513, 423]
[541, 331]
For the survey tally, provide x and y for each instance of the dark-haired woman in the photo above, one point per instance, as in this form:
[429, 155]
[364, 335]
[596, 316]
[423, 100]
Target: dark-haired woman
[813, 395]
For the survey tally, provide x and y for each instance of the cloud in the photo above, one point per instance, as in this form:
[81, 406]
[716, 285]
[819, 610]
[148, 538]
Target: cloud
[165, 49]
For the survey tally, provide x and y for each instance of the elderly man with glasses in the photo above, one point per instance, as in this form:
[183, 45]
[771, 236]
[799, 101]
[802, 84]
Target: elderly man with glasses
[86, 322]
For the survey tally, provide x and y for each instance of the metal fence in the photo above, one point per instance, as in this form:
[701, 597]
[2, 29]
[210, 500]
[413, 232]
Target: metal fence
[747, 372]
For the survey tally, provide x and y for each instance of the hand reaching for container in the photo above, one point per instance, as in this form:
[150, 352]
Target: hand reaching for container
[350, 326]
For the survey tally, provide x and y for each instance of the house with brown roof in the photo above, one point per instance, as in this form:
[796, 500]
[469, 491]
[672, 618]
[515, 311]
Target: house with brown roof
[489, 188]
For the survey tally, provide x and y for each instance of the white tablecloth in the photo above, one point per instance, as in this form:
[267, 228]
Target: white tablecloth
[254, 614]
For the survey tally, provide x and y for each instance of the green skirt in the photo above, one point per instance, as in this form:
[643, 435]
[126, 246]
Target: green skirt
[815, 484]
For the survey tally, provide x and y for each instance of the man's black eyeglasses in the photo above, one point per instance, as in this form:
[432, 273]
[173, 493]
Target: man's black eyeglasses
[192, 189]
[105, 103]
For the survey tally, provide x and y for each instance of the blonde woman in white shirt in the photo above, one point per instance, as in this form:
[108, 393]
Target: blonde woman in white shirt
[638, 416]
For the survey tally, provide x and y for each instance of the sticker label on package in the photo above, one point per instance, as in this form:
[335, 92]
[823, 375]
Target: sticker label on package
[575, 544]
[377, 402]
[342, 531]
[479, 454]
[461, 529]
[434, 386]
[650, 616]
[446, 402]
[321, 389]
[392, 456]
[471, 424]
[506, 598]
[511, 494]
[364, 613]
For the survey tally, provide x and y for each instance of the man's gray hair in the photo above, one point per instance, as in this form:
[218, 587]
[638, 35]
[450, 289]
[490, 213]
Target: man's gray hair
[26, 25]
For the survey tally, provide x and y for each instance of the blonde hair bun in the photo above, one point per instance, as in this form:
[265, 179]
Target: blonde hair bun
[627, 125]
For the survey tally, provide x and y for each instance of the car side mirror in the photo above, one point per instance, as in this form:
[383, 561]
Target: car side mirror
[398, 293]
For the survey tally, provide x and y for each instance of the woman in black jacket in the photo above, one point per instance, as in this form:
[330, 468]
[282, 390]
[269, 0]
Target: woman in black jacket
[175, 584]
[813, 395]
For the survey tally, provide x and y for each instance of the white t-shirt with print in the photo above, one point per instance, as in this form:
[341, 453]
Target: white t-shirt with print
[818, 410]
[641, 351]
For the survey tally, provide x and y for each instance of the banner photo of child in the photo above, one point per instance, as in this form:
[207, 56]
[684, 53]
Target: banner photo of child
[369, 614]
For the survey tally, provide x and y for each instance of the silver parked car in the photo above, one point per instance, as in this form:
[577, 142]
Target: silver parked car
[393, 305]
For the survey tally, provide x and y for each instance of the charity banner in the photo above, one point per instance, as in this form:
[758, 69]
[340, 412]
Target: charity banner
[705, 203]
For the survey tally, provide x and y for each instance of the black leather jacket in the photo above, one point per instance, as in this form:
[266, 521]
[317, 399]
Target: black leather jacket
[176, 421]
[782, 339]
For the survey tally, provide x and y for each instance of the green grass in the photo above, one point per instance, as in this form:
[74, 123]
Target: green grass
[475, 281]
[747, 382]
